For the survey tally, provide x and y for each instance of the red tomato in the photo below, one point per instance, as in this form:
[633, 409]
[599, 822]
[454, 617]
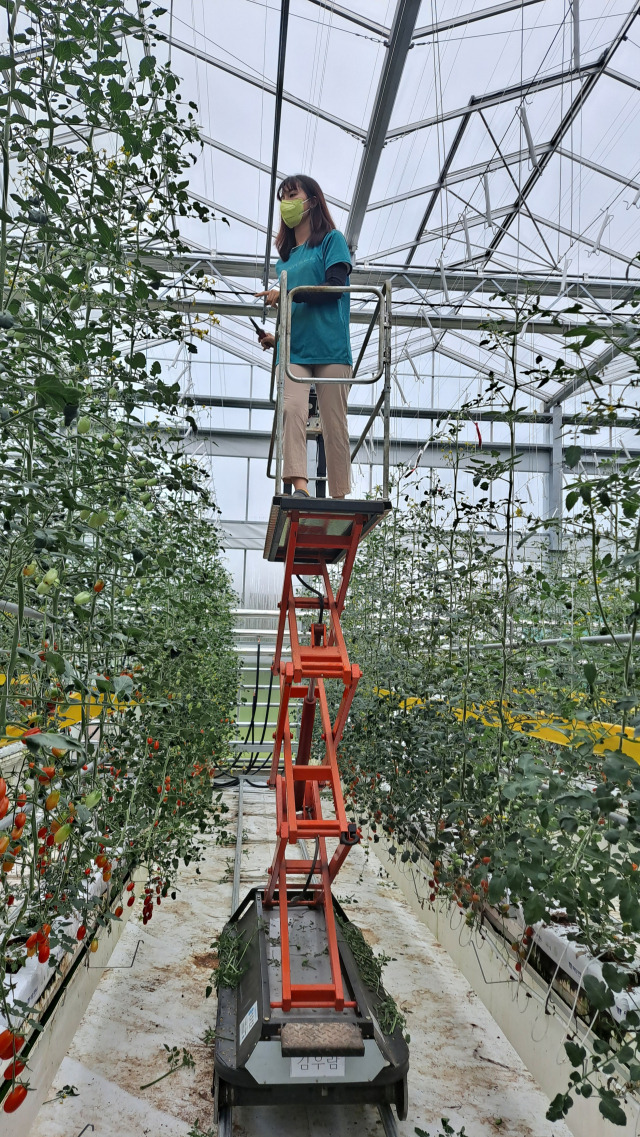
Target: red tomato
[13, 1069]
[32, 941]
[15, 1098]
[43, 954]
[3, 788]
[10, 1044]
[81, 933]
[4, 807]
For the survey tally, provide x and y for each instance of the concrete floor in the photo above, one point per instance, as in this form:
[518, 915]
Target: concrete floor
[462, 1067]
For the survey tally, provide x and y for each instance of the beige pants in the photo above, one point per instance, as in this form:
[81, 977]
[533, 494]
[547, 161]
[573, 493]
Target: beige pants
[332, 403]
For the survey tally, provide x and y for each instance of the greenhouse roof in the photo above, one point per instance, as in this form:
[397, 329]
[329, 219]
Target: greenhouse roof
[469, 151]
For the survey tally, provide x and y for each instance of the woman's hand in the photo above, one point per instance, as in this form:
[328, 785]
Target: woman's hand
[267, 341]
[272, 295]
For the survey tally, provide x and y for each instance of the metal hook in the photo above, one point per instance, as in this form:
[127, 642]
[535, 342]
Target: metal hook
[87, 1126]
[115, 966]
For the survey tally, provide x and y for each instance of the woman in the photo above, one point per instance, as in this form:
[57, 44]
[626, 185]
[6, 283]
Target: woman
[313, 251]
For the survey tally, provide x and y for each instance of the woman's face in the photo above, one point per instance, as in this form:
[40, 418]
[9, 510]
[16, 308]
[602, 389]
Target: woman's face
[292, 194]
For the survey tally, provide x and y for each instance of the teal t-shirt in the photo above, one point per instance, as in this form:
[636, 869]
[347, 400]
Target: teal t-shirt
[319, 334]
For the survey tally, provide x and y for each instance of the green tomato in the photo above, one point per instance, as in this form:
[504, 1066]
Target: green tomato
[113, 391]
[51, 577]
[116, 444]
[82, 598]
[43, 589]
[119, 431]
[62, 834]
[139, 482]
[128, 590]
[84, 425]
[120, 514]
[84, 513]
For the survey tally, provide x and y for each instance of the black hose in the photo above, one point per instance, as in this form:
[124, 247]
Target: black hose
[305, 584]
[298, 897]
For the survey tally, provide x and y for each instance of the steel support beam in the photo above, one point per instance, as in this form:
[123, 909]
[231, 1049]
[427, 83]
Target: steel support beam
[589, 374]
[595, 72]
[614, 290]
[531, 458]
[255, 444]
[465, 173]
[354, 17]
[579, 237]
[446, 166]
[400, 318]
[481, 102]
[446, 24]
[264, 85]
[262, 166]
[399, 44]
[433, 414]
[621, 78]
[224, 212]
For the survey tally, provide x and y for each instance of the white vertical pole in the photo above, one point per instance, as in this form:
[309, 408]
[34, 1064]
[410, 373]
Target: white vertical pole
[528, 136]
[487, 201]
[576, 33]
[466, 237]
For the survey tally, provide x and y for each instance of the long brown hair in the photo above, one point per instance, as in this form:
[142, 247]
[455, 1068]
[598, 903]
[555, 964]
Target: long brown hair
[321, 220]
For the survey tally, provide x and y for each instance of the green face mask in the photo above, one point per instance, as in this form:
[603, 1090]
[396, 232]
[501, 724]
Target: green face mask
[293, 211]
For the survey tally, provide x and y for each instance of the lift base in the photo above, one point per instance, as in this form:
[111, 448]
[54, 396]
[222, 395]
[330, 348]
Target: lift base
[264, 1056]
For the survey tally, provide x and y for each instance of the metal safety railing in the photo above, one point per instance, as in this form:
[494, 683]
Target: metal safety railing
[281, 368]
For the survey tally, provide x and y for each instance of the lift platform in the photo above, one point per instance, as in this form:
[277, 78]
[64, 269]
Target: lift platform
[301, 1025]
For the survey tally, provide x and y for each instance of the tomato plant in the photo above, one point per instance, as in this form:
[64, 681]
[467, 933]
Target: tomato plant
[117, 673]
[494, 730]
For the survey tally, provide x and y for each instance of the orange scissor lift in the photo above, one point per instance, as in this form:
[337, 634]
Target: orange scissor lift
[300, 1025]
[281, 1036]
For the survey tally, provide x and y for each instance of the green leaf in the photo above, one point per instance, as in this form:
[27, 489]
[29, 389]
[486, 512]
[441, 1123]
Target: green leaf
[534, 908]
[56, 660]
[559, 1107]
[597, 993]
[609, 1106]
[7, 62]
[50, 196]
[590, 673]
[572, 456]
[49, 741]
[572, 498]
[123, 685]
[497, 888]
[104, 231]
[147, 66]
[576, 1054]
[65, 49]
